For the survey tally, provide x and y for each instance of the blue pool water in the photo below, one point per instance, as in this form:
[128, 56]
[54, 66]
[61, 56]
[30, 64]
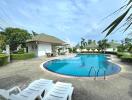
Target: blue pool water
[83, 65]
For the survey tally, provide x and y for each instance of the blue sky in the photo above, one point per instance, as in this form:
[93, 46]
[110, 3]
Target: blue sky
[67, 19]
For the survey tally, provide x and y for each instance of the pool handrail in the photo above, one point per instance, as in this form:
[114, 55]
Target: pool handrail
[92, 67]
[104, 73]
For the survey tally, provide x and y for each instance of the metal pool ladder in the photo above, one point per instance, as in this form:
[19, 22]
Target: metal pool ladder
[94, 71]
[104, 73]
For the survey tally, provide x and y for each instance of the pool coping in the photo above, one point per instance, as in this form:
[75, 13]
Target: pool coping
[111, 59]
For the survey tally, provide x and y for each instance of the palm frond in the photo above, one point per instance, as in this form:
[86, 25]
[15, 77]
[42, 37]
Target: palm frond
[116, 22]
[130, 1]
[128, 27]
[123, 7]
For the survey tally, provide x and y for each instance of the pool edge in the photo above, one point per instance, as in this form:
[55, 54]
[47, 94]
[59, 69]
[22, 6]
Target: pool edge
[68, 76]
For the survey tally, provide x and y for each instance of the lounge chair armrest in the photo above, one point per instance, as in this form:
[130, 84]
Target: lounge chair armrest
[16, 88]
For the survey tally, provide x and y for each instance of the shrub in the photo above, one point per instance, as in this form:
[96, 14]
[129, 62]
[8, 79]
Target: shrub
[3, 59]
[20, 51]
[22, 56]
[0, 50]
[74, 50]
[121, 48]
[126, 58]
[119, 54]
[70, 50]
[114, 53]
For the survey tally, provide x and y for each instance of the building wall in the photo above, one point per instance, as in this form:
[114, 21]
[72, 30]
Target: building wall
[39, 48]
[32, 47]
[44, 48]
[111, 49]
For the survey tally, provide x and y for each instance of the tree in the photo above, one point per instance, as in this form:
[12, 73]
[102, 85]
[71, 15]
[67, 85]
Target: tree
[83, 43]
[94, 42]
[15, 37]
[89, 41]
[128, 44]
[103, 44]
[34, 33]
[2, 42]
[128, 19]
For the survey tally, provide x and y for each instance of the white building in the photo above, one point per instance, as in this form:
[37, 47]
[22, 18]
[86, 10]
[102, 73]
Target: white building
[43, 43]
[113, 46]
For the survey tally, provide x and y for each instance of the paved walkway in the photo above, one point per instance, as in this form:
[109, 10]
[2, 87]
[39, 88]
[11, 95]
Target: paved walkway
[22, 73]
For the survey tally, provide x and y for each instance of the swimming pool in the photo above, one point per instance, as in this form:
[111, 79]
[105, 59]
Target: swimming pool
[83, 65]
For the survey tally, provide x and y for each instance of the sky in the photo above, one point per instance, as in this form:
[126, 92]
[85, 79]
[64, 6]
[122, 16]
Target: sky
[69, 20]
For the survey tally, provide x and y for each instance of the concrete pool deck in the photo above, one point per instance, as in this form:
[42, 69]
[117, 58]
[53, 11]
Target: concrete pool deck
[118, 87]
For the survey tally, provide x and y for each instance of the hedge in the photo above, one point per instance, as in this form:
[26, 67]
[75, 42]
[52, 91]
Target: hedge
[114, 53]
[126, 58]
[120, 54]
[3, 59]
[22, 56]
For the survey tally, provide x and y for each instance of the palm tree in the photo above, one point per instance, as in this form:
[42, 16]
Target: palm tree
[128, 19]
[83, 43]
[103, 44]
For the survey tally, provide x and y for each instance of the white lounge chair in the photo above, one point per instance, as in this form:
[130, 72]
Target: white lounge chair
[41, 86]
[7, 93]
[35, 91]
[60, 91]
[26, 95]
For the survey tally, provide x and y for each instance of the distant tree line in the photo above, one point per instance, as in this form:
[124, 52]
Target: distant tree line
[102, 44]
[124, 45]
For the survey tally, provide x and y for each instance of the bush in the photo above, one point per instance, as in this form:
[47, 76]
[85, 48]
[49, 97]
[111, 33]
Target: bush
[74, 50]
[20, 51]
[3, 59]
[22, 56]
[70, 50]
[120, 54]
[121, 48]
[114, 53]
[0, 50]
[126, 58]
